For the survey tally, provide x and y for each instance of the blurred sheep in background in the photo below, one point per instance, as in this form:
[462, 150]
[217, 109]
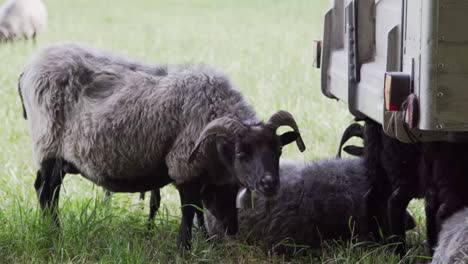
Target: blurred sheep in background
[22, 18]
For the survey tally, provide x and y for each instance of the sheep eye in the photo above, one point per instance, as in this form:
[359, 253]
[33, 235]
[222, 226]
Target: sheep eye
[221, 140]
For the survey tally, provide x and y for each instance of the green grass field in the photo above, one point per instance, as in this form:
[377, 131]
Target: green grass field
[266, 48]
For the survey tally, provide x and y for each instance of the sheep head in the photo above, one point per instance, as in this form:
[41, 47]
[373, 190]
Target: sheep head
[251, 151]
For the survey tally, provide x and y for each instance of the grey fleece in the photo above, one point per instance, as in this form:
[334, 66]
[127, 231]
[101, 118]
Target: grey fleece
[452, 247]
[114, 118]
[316, 201]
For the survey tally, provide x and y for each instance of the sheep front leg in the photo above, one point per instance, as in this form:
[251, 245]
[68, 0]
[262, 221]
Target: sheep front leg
[155, 202]
[396, 206]
[48, 181]
[376, 217]
[190, 199]
[431, 208]
[201, 222]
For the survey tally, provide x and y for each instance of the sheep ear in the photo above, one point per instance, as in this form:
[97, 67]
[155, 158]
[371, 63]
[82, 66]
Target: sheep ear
[288, 137]
[354, 150]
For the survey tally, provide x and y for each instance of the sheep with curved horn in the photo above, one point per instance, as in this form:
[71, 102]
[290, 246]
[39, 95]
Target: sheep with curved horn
[128, 130]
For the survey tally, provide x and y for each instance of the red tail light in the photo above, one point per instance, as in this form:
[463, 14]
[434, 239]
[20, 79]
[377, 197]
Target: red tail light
[397, 88]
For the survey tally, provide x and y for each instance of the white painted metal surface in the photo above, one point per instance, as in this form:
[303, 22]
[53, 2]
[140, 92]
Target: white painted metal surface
[425, 38]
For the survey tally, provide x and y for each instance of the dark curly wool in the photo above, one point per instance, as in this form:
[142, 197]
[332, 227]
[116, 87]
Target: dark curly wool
[445, 165]
[399, 172]
[392, 169]
[316, 201]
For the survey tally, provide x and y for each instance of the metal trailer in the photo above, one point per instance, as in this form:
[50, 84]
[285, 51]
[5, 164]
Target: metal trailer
[402, 63]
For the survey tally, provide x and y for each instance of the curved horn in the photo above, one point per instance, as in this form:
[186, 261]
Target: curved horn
[222, 125]
[353, 130]
[284, 118]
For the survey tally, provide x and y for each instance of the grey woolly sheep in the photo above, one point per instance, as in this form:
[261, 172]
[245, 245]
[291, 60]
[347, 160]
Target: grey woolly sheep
[315, 202]
[452, 247]
[127, 128]
[22, 18]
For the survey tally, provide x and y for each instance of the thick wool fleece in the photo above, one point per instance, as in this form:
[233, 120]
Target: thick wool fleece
[316, 201]
[119, 119]
[452, 247]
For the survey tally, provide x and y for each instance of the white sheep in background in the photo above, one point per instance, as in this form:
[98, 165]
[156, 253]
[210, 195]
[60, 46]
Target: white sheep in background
[452, 247]
[22, 18]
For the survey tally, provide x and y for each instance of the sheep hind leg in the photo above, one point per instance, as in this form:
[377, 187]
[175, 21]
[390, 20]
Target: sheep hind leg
[397, 203]
[432, 207]
[155, 202]
[201, 220]
[189, 196]
[48, 182]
